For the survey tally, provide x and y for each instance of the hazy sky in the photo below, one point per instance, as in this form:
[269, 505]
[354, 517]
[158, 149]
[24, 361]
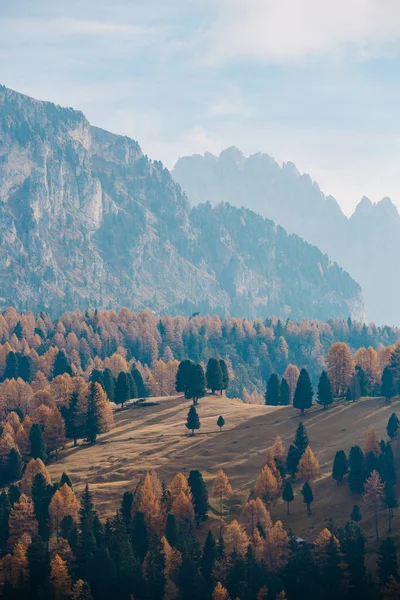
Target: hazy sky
[311, 81]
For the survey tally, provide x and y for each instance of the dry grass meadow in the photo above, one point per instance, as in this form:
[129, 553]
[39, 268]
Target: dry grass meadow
[155, 437]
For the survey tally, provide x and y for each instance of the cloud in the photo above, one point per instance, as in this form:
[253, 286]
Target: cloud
[293, 30]
[50, 30]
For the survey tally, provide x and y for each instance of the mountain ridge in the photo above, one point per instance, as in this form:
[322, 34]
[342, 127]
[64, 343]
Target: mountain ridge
[86, 219]
[365, 244]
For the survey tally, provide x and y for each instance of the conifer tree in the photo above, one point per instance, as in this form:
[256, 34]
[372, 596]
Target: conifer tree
[33, 468]
[81, 591]
[304, 392]
[42, 492]
[199, 495]
[392, 427]
[193, 421]
[65, 478]
[220, 422]
[273, 388]
[99, 417]
[284, 393]
[287, 495]
[373, 495]
[221, 489]
[387, 561]
[301, 440]
[96, 376]
[26, 368]
[266, 486]
[38, 445]
[14, 465]
[5, 511]
[208, 560]
[12, 366]
[357, 470]
[196, 388]
[70, 414]
[292, 460]
[60, 579]
[142, 389]
[225, 375]
[140, 542]
[388, 389]
[61, 364]
[390, 501]
[308, 467]
[54, 432]
[340, 466]
[122, 389]
[22, 520]
[214, 375]
[183, 376]
[325, 393]
[356, 514]
[220, 593]
[39, 565]
[109, 384]
[308, 497]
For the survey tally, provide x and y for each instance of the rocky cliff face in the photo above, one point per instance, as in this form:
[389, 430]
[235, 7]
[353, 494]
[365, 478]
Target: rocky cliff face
[87, 220]
[367, 245]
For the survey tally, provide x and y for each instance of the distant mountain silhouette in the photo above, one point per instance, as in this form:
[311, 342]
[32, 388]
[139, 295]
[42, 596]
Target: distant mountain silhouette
[367, 245]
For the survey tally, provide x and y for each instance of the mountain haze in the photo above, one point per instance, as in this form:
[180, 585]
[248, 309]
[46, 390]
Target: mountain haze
[87, 220]
[367, 244]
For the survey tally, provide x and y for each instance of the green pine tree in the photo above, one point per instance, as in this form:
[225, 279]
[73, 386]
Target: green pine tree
[142, 389]
[220, 422]
[340, 466]
[284, 393]
[199, 495]
[14, 465]
[225, 375]
[356, 514]
[214, 375]
[183, 376]
[388, 389]
[109, 384]
[38, 445]
[357, 470]
[287, 495]
[308, 497]
[392, 427]
[387, 561]
[61, 364]
[197, 384]
[122, 389]
[273, 388]
[325, 393]
[301, 440]
[304, 393]
[193, 421]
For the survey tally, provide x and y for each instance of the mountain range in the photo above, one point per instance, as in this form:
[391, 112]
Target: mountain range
[367, 244]
[86, 219]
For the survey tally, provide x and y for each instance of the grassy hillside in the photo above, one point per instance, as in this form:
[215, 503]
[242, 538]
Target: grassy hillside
[155, 437]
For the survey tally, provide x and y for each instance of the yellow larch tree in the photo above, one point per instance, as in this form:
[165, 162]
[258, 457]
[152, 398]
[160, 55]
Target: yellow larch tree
[221, 489]
[266, 486]
[63, 504]
[263, 593]
[23, 443]
[374, 489]
[148, 503]
[276, 547]
[291, 375]
[340, 368]
[173, 560]
[80, 591]
[54, 432]
[179, 484]
[13, 420]
[255, 513]
[308, 468]
[34, 466]
[182, 508]
[220, 593]
[22, 520]
[60, 579]
[321, 544]
[236, 539]
[371, 442]
[7, 443]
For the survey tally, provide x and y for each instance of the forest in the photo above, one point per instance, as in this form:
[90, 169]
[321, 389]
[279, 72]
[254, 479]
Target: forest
[63, 381]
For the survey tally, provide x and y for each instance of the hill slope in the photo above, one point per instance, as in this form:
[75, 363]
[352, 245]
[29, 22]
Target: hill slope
[155, 437]
[366, 245]
[87, 220]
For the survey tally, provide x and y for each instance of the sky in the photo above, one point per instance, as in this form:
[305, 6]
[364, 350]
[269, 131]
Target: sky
[314, 82]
